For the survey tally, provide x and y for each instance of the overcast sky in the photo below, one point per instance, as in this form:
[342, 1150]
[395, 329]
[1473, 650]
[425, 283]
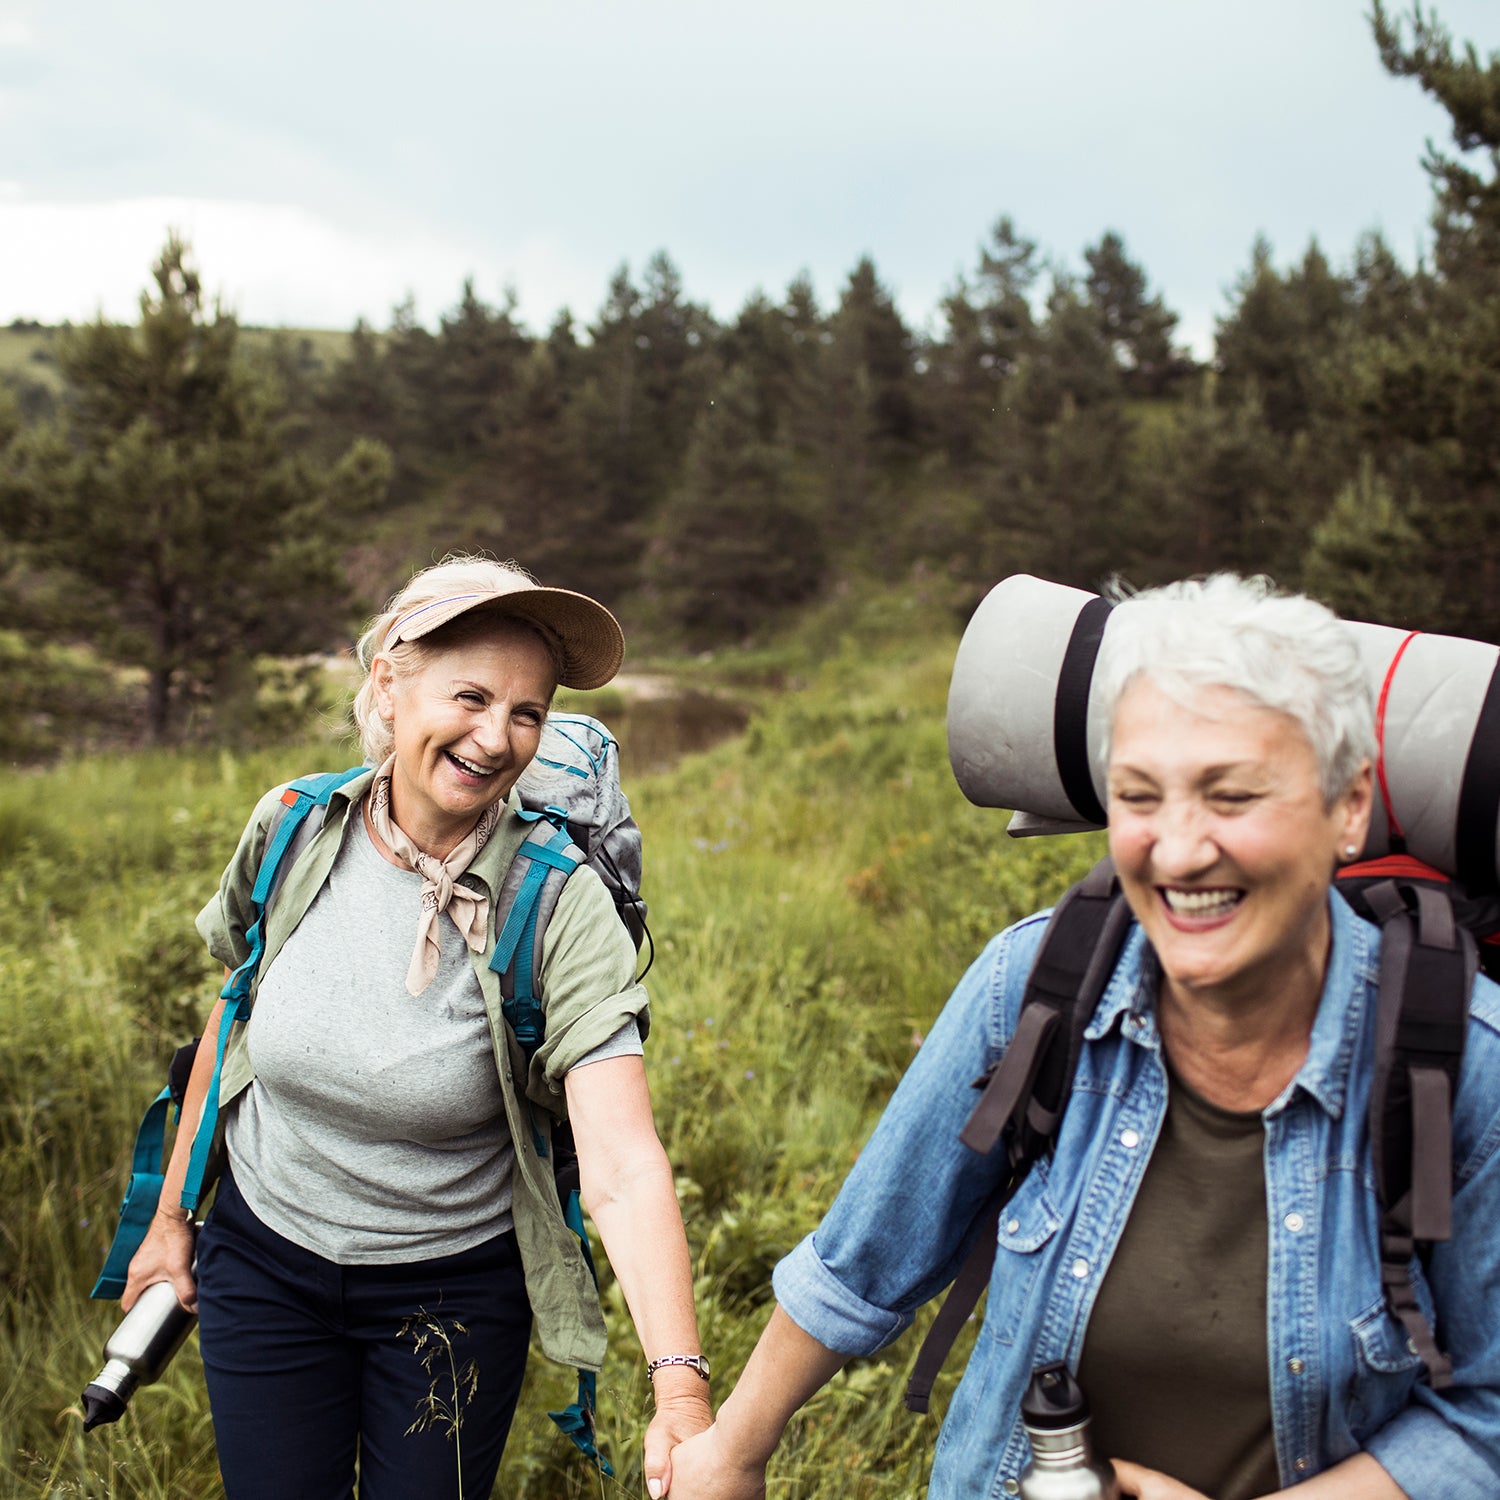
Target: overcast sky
[327, 157]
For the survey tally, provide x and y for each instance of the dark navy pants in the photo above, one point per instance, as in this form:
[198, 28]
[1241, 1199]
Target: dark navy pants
[310, 1375]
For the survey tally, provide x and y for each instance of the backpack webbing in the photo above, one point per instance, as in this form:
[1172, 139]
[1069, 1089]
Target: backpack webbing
[1026, 1093]
[299, 799]
[141, 1197]
[1427, 968]
[528, 896]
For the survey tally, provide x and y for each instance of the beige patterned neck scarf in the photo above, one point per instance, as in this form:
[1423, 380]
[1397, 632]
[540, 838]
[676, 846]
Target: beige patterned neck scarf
[441, 892]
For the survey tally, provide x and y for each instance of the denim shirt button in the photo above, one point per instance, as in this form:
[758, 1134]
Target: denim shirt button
[1295, 1366]
[1294, 1223]
[1012, 1226]
[1080, 1268]
[1011, 1487]
[1130, 1139]
[1300, 1465]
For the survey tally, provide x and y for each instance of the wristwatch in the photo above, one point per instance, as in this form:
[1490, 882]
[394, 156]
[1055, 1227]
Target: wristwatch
[692, 1361]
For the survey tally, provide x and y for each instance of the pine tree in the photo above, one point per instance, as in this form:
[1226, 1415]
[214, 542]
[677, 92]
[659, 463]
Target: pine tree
[1368, 558]
[165, 492]
[736, 543]
[1428, 399]
[1137, 326]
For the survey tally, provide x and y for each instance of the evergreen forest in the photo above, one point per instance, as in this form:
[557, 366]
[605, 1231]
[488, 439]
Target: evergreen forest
[185, 504]
[793, 511]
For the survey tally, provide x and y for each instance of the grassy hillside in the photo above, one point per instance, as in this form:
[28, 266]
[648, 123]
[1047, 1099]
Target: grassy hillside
[816, 885]
[28, 350]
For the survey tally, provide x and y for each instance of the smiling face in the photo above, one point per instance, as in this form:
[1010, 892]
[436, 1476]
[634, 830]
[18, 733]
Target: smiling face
[1223, 843]
[466, 722]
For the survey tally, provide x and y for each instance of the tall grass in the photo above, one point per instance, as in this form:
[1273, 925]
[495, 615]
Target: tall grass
[816, 885]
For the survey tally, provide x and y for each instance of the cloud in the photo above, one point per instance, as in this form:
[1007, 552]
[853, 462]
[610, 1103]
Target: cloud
[271, 263]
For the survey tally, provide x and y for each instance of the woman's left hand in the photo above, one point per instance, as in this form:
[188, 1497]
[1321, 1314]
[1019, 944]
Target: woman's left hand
[1148, 1484]
[677, 1418]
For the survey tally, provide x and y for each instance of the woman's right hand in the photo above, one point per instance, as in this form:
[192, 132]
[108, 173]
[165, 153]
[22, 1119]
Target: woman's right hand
[702, 1469]
[166, 1254]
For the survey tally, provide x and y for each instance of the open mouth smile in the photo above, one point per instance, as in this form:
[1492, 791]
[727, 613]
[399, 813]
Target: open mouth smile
[468, 766]
[1200, 905]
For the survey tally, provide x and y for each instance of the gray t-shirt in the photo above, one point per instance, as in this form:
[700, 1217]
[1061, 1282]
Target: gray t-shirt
[374, 1131]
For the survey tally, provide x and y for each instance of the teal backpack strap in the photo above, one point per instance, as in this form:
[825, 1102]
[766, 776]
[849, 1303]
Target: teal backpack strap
[577, 1421]
[545, 849]
[141, 1197]
[300, 798]
[543, 863]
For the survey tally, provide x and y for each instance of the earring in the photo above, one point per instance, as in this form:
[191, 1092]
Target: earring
[1350, 850]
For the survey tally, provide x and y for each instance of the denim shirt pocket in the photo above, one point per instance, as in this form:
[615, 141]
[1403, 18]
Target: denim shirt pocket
[1386, 1367]
[1028, 1225]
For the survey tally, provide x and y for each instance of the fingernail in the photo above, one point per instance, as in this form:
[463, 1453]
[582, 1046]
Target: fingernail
[653, 1488]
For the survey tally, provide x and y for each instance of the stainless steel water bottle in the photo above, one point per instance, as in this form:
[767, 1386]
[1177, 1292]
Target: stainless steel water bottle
[137, 1352]
[1055, 1415]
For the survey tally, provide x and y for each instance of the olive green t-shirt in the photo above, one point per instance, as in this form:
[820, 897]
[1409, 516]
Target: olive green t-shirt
[1174, 1361]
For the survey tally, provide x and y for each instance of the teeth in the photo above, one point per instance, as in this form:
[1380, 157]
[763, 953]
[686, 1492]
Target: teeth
[469, 766]
[1200, 903]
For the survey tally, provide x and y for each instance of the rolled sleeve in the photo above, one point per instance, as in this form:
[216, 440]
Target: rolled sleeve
[1431, 1460]
[905, 1218]
[820, 1304]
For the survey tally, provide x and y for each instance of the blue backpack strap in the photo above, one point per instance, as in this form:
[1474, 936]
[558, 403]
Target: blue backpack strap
[546, 858]
[545, 849]
[141, 1197]
[576, 1422]
[300, 798]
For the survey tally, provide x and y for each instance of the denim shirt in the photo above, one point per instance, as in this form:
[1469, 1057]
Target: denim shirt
[1343, 1377]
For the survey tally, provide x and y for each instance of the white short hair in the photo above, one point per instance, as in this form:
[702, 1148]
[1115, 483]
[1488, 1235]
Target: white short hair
[1282, 651]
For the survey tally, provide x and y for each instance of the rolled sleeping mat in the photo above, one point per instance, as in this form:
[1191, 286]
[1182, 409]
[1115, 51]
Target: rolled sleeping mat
[1024, 730]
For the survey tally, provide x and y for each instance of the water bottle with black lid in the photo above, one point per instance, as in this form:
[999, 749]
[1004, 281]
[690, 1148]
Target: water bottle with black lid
[1055, 1414]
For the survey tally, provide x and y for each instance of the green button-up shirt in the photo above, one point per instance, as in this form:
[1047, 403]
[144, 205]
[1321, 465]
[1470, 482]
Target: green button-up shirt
[587, 984]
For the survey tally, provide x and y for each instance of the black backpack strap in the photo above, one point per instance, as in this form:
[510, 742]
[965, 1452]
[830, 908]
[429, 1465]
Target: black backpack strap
[1026, 1093]
[1428, 964]
[963, 1297]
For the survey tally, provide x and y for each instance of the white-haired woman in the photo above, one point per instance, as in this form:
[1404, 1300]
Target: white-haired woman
[1203, 1246]
[382, 1174]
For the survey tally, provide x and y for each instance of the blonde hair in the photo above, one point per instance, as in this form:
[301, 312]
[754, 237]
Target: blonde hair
[458, 573]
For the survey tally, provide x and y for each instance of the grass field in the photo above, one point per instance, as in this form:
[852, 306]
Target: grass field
[816, 885]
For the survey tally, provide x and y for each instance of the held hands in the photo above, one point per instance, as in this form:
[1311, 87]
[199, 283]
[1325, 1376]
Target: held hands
[678, 1417]
[166, 1254]
[704, 1469]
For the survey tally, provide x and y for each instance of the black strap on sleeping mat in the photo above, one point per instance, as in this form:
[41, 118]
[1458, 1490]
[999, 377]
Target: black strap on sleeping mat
[1070, 710]
[1479, 798]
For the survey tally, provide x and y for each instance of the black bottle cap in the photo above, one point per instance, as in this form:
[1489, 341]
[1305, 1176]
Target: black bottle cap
[100, 1405]
[1053, 1399]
